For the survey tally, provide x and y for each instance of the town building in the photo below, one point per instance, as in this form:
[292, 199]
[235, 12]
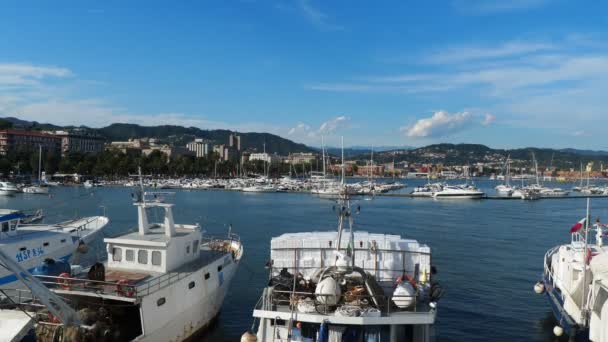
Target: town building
[200, 147]
[301, 158]
[79, 142]
[367, 170]
[234, 141]
[224, 152]
[266, 157]
[12, 140]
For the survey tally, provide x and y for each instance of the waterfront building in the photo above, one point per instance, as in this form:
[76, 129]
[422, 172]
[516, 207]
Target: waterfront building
[200, 147]
[301, 158]
[12, 140]
[266, 157]
[79, 142]
[366, 170]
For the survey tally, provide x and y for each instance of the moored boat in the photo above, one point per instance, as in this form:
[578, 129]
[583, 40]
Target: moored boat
[575, 281]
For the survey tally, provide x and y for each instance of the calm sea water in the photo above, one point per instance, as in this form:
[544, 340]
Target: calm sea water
[488, 252]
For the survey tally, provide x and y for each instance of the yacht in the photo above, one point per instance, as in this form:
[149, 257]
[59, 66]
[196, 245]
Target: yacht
[37, 189]
[575, 281]
[459, 191]
[162, 282]
[30, 244]
[427, 190]
[506, 189]
[259, 188]
[8, 189]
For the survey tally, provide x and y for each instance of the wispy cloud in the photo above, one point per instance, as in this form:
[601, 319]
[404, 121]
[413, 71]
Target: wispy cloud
[42, 93]
[305, 133]
[316, 17]
[472, 53]
[483, 7]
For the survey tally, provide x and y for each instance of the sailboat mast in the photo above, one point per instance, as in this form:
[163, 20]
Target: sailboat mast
[39, 165]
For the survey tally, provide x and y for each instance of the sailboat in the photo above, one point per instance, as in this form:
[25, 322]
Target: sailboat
[37, 189]
[506, 189]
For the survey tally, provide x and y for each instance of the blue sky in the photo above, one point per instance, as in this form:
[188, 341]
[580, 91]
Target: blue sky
[508, 73]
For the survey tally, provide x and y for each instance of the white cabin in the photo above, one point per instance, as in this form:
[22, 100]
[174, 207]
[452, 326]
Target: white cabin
[158, 247]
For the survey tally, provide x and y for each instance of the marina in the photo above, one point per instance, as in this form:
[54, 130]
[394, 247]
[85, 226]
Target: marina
[501, 238]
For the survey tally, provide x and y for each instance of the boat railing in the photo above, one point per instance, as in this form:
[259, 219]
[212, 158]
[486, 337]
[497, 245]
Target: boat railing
[271, 299]
[87, 285]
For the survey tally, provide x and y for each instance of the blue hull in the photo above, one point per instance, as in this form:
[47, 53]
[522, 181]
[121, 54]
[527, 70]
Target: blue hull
[570, 327]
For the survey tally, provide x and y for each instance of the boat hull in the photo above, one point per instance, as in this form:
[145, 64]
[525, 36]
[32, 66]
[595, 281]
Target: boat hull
[199, 308]
[564, 320]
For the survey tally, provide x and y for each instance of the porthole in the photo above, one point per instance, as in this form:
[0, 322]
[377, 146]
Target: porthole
[160, 301]
[191, 285]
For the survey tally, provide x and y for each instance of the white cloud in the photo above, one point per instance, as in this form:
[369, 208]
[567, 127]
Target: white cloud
[488, 119]
[334, 124]
[299, 128]
[441, 123]
[22, 74]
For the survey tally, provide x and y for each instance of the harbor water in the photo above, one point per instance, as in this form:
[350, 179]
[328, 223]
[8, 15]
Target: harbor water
[488, 253]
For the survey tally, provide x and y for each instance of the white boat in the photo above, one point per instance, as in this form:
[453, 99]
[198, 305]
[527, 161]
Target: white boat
[37, 189]
[575, 280]
[88, 184]
[164, 282]
[504, 190]
[458, 192]
[377, 286]
[259, 188]
[8, 189]
[427, 190]
[30, 244]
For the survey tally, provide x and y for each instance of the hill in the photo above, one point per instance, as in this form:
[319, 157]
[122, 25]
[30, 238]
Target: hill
[177, 135]
[463, 154]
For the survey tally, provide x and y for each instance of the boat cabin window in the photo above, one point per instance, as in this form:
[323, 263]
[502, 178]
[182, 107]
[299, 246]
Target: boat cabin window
[142, 256]
[5, 227]
[46, 244]
[13, 225]
[195, 246]
[62, 240]
[129, 255]
[22, 248]
[188, 249]
[191, 285]
[156, 258]
[207, 275]
[219, 268]
[161, 301]
[116, 254]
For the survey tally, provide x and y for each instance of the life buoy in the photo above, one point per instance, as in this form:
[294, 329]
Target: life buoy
[123, 288]
[64, 281]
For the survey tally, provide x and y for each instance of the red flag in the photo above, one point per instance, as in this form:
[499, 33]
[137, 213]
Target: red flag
[577, 226]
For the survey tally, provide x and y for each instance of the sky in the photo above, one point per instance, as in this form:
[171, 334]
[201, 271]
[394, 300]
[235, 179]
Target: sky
[509, 73]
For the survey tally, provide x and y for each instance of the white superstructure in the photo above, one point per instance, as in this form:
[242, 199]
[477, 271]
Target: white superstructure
[575, 280]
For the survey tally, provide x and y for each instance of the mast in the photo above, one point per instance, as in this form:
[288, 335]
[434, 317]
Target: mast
[584, 292]
[39, 165]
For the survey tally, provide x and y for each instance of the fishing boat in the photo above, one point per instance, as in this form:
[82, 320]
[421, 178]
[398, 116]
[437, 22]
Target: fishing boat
[30, 244]
[347, 285]
[8, 189]
[163, 282]
[575, 281]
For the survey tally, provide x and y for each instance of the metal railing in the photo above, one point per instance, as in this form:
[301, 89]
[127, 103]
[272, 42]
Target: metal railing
[87, 285]
[271, 299]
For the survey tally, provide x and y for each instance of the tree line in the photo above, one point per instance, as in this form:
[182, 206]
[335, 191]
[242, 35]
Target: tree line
[115, 164]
